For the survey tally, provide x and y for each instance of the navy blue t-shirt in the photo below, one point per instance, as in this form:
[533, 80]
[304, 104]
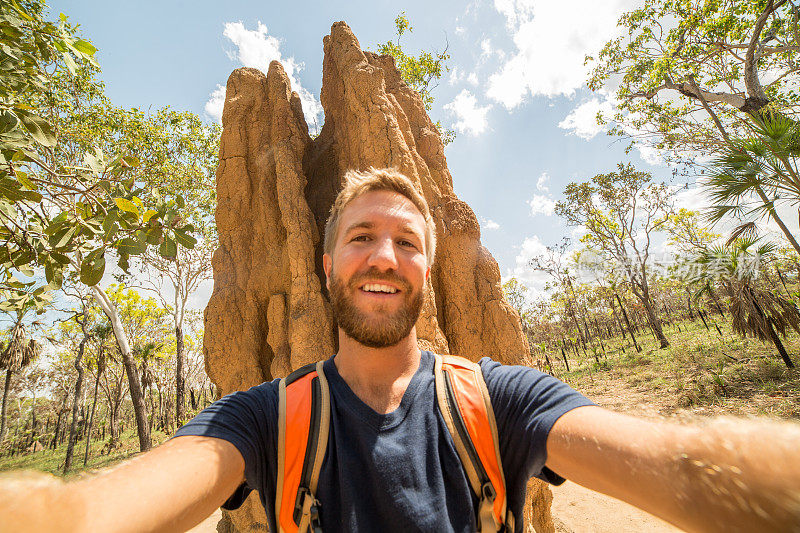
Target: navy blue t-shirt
[398, 471]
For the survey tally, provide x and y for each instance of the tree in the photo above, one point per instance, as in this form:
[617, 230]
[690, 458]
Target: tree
[687, 70]
[65, 204]
[515, 292]
[687, 233]
[421, 73]
[621, 211]
[79, 367]
[753, 175]
[16, 354]
[755, 310]
[181, 154]
[101, 333]
[58, 213]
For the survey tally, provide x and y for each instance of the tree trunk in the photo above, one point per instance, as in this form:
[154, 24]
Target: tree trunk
[91, 419]
[628, 323]
[3, 428]
[180, 382]
[134, 384]
[783, 282]
[113, 422]
[779, 345]
[777, 219]
[714, 299]
[616, 318]
[76, 397]
[655, 323]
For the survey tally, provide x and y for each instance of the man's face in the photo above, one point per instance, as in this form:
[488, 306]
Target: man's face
[377, 269]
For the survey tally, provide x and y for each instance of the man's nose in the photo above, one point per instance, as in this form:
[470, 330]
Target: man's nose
[383, 255]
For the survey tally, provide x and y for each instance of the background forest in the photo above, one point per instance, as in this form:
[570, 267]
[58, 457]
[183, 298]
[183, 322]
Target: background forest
[107, 229]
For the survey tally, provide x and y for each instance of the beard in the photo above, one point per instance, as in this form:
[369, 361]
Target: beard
[381, 328]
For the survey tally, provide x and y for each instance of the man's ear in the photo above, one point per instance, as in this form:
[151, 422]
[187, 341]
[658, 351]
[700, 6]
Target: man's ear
[327, 263]
[427, 273]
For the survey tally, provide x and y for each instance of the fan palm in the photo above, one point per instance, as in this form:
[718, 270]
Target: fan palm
[752, 175]
[14, 356]
[754, 309]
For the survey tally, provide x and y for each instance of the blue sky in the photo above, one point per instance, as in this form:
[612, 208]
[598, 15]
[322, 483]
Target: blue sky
[515, 92]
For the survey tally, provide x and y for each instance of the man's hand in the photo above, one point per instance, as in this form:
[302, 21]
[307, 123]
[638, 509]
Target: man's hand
[727, 475]
[171, 488]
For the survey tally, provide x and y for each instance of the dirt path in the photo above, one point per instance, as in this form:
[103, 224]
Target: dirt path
[580, 510]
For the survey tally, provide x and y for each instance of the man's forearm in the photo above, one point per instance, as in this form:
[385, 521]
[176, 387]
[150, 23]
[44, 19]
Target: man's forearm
[171, 488]
[728, 475]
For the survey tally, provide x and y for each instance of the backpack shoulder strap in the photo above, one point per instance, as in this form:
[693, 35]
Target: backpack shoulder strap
[303, 427]
[467, 411]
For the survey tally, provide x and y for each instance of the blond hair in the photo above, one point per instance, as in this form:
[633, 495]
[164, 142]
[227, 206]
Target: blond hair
[379, 179]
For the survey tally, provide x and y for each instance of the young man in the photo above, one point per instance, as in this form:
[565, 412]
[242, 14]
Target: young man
[390, 463]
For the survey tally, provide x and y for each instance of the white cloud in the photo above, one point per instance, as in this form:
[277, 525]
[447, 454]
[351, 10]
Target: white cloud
[541, 205]
[486, 48]
[256, 48]
[551, 40]
[541, 183]
[460, 30]
[456, 75]
[535, 280]
[472, 78]
[489, 224]
[578, 232]
[471, 118]
[215, 104]
[582, 121]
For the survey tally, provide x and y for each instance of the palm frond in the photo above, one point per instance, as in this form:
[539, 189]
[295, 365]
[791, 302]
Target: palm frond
[748, 229]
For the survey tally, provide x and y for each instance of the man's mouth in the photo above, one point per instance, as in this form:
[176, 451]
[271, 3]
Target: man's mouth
[379, 288]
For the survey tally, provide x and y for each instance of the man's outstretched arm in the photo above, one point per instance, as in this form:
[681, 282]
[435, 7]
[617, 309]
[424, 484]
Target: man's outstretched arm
[727, 475]
[170, 488]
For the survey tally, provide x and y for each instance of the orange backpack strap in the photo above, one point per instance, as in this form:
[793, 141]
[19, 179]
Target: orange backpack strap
[467, 411]
[304, 410]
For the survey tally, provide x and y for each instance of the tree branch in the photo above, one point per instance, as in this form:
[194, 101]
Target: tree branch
[756, 98]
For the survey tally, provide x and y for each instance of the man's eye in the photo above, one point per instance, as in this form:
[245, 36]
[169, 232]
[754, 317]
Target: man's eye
[407, 244]
[360, 238]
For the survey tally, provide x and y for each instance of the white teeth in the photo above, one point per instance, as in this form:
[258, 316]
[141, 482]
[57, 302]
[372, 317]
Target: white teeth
[375, 287]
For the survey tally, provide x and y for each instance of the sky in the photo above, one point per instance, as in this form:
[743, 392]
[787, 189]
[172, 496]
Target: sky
[515, 91]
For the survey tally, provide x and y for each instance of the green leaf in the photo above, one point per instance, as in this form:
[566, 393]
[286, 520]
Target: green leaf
[168, 248]
[155, 235]
[39, 128]
[25, 270]
[71, 65]
[22, 177]
[8, 121]
[56, 223]
[148, 215]
[109, 224]
[184, 239]
[123, 262]
[126, 205]
[63, 237]
[84, 47]
[92, 267]
[131, 246]
[61, 258]
[54, 273]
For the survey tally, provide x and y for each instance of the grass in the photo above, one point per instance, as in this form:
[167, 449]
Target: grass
[52, 461]
[700, 373]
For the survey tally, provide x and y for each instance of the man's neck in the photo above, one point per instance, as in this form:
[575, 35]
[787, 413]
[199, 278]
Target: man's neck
[378, 376]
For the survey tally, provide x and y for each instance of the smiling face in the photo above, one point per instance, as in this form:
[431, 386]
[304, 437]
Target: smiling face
[377, 268]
